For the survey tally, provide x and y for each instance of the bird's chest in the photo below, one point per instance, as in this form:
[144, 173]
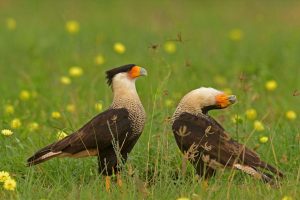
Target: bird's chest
[137, 114]
[137, 117]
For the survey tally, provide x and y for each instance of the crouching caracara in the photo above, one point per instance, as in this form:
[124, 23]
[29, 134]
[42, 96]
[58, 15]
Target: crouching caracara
[205, 142]
[110, 135]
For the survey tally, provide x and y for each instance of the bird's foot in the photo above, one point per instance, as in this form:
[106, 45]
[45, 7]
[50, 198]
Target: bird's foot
[107, 183]
[204, 184]
[119, 180]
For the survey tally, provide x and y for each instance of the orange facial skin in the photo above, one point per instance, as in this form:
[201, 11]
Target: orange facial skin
[135, 72]
[222, 100]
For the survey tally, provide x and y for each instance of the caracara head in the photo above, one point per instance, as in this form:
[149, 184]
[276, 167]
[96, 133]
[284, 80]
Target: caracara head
[205, 99]
[124, 75]
[130, 72]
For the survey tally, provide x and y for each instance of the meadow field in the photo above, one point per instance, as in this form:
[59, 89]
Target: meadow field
[54, 55]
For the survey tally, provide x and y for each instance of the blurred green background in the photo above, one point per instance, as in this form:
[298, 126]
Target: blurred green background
[236, 46]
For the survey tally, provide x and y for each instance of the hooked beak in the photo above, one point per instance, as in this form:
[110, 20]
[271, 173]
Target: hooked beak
[137, 71]
[224, 100]
[232, 99]
[143, 72]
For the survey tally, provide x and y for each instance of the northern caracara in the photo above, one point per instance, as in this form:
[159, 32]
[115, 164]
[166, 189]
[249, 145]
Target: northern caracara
[110, 135]
[205, 142]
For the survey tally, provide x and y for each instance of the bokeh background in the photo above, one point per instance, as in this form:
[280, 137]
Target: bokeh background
[53, 59]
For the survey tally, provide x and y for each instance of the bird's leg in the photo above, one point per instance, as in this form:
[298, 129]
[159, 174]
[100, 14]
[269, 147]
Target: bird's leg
[119, 180]
[107, 178]
[204, 184]
[205, 172]
[209, 172]
[107, 183]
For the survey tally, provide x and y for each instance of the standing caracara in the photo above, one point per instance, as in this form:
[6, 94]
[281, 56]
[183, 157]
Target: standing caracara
[110, 135]
[205, 142]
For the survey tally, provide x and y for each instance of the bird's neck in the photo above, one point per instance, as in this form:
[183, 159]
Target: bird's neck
[181, 108]
[124, 93]
[187, 107]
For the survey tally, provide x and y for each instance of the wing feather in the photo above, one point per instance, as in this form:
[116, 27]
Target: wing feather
[97, 133]
[212, 140]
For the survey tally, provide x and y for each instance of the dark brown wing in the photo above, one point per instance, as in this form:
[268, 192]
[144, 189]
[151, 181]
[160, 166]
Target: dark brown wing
[97, 135]
[113, 124]
[214, 122]
[209, 138]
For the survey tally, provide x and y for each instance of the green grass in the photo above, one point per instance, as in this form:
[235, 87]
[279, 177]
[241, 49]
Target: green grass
[39, 51]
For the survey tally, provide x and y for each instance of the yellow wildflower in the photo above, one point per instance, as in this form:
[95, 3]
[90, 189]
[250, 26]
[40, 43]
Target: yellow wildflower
[55, 115]
[236, 34]
[99, 59]
[75, 71]
[24, 95]
[71, 108]
[263, 139]
[251, 114]
[10, 184]
[6, 132]
[15, 123]
[271, 85]
[72, 26]
[258, 125]
[119, 48]
[170, 47]
[61, 135]
[33, 126]
[169, 102]
[287, 198]
[236, 119]
[4, 176]
[291, 115]
[183, 198]
[9, 109]
[11, 23]
[98, 106]
[65, 80]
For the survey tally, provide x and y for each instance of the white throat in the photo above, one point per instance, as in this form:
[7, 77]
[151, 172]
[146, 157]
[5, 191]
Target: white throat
[124, 89]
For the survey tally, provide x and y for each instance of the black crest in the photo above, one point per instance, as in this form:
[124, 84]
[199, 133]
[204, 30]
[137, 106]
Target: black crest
[111, 73]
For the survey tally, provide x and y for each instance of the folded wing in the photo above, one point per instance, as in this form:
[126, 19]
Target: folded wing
[96, 135]
[214, 146]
